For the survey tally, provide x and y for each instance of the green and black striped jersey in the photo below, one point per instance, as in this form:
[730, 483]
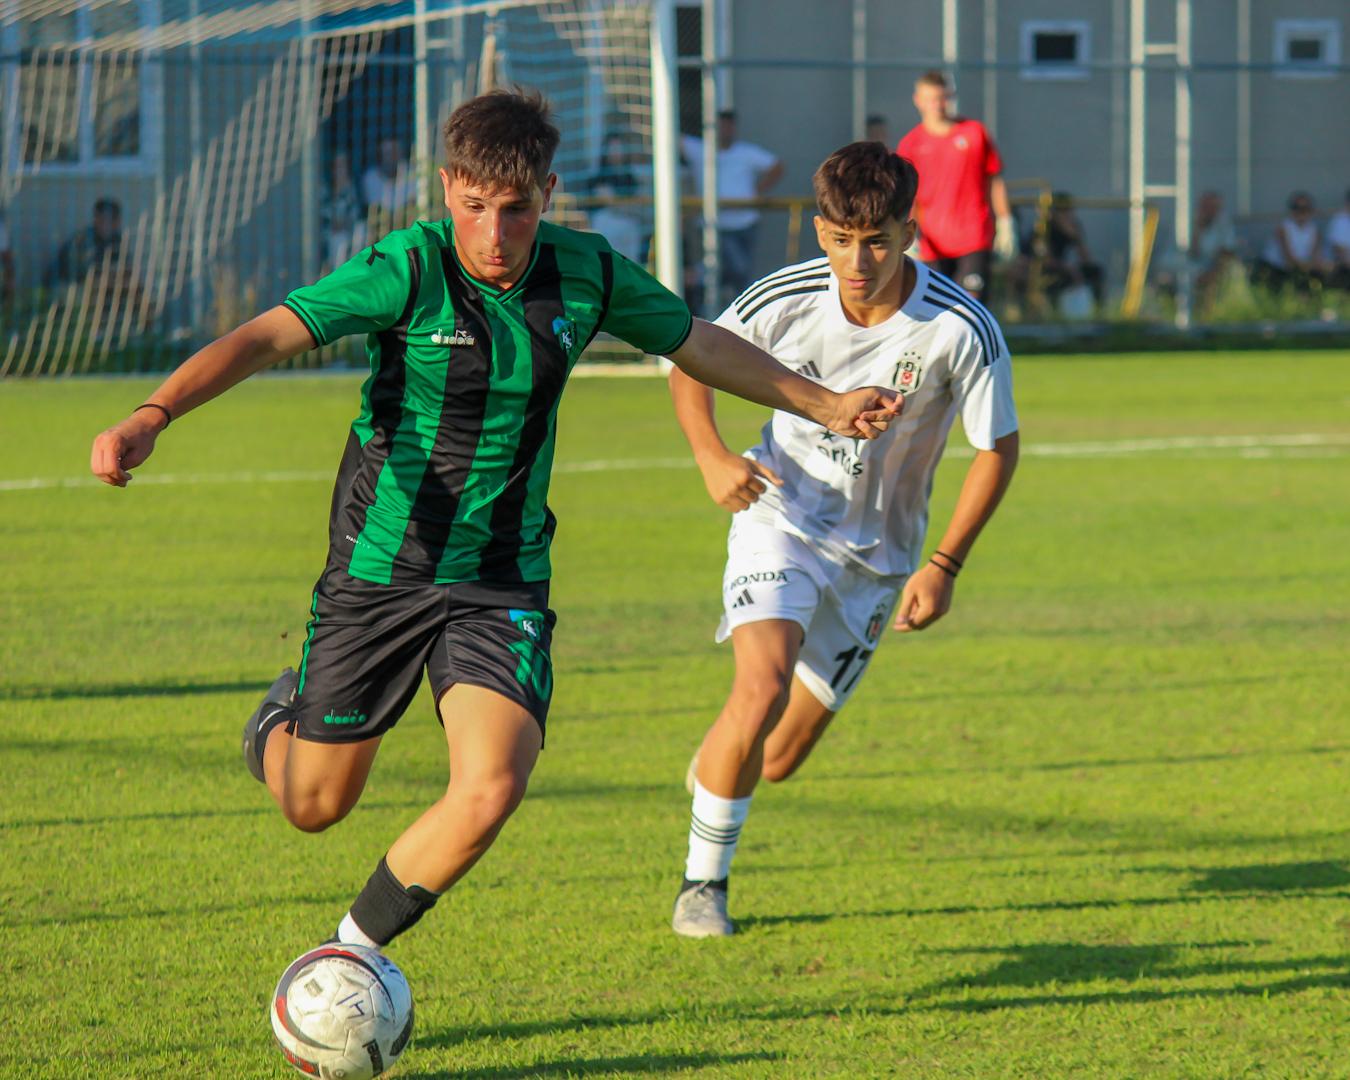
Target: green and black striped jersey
[446, 472]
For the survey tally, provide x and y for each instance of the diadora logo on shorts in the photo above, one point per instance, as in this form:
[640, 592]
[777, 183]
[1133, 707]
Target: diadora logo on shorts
[565, 330]
[459, 337]
[908, 372]
[344, 719]
[779, 576]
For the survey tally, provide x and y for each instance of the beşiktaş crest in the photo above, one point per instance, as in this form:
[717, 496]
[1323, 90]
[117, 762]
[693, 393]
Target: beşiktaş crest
[876, 622]
[908, 372]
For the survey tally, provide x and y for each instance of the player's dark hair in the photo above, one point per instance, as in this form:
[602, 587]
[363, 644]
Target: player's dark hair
[503, 140]
[862, 184]
[932, 77]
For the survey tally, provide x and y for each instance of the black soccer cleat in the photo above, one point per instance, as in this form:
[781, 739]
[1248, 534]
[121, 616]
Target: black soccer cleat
[275, 709]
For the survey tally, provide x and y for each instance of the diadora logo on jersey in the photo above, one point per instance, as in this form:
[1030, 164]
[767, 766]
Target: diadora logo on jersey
[876, 622]
[344, 719]
[779, 576]
[744, 600]
[459, 337]
[908, 372]
[810, 370]
[565, 330]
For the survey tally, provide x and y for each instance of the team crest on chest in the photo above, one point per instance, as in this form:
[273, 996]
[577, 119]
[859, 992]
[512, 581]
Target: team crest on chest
[565, 330]
[908, 372]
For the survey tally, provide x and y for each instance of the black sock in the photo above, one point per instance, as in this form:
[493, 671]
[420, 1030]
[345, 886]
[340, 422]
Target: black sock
[283, 714]
[721, 884]
[386, 907]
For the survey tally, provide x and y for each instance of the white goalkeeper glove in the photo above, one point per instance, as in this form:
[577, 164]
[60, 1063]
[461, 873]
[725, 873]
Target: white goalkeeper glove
[1005, 237]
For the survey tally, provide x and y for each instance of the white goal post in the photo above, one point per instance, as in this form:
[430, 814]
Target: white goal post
[170, 167]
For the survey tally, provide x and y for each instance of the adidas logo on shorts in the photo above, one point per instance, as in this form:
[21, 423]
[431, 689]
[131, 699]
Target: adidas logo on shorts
[744, 600]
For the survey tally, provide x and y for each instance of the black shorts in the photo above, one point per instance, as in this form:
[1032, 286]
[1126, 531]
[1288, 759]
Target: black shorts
[970, 271]
[368, 645]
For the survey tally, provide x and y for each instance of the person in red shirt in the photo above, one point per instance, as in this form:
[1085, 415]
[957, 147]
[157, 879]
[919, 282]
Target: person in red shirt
[962, 206]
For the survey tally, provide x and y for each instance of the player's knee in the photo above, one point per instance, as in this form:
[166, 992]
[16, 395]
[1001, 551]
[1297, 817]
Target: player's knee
[316, 812]
[313, 816]
[762, 695]
[493, 799]
[778, 769]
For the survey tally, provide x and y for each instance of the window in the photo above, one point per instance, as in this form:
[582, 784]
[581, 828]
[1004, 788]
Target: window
[1056, 49]
[1307, 48]
[79, 108]
[689, 45]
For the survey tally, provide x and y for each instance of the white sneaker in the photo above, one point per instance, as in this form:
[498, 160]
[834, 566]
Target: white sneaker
[701, 911]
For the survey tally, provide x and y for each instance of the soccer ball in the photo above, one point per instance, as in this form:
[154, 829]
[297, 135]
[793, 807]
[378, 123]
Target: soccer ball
[342, 1012]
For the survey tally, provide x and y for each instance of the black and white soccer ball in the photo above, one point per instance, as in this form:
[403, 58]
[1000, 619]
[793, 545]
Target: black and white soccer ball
[342, 1012]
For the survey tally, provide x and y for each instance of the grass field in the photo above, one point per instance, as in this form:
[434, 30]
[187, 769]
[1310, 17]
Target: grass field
[1093, 824]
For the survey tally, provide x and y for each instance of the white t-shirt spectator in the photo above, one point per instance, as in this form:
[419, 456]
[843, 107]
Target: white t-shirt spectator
[1338, 237]
[1302, 241]
[1211, 242]
[390, 193]
[739, 168]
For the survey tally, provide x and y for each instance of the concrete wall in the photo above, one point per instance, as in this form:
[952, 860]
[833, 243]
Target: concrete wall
[1072, 133]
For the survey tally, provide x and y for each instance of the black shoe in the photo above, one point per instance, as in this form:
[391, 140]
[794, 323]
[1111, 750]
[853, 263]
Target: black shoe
[275, 709]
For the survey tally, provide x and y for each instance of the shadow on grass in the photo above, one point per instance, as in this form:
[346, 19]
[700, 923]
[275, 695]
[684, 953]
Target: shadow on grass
[1085, 764]
[1261, 881]
[1052, 964]
[750, 922]
[1272, 877]
[261, 810]
[127, 690]
[193, 911]
[594, 1066]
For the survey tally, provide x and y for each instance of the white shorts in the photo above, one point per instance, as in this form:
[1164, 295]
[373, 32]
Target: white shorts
[772, 574]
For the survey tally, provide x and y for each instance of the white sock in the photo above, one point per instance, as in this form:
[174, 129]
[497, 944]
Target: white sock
[713, 832]
[351, 934]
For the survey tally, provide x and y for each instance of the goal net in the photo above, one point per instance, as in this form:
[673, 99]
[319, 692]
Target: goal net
[168, 168]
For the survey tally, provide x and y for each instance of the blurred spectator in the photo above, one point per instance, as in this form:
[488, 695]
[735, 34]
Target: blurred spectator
[1292, 255]
[1214, 242]
[90, 247]
[1068, 271]
[962, 205]
[344, 222]
[614, 178]
[1213, 254]
[744, 171]
[6, 264]
[93, 260]
[1338, 245]
[389, 189]
[877, 130]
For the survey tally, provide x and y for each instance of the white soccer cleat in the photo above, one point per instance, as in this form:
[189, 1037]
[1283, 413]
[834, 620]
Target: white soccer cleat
[701, 911]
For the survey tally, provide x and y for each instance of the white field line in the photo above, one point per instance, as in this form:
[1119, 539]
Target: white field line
[1241, 446]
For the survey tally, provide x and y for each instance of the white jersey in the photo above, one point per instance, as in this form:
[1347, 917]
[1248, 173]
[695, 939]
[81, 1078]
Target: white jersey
[865, 502]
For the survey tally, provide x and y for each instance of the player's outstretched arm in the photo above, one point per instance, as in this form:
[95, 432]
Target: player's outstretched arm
[733, 481]
[273, 336]
[718, 358]
[927, 595]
